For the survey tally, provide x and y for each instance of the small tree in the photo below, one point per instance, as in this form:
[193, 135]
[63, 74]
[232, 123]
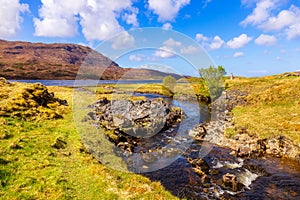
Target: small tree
[169, 82]
[214, 80]
[222, 70]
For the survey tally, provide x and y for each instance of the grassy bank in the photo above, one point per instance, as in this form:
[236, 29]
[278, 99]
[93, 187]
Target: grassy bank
[272, 107]
[192, 88]
[44, 159]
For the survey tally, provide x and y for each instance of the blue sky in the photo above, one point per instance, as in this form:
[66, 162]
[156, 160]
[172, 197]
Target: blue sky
[247, 37]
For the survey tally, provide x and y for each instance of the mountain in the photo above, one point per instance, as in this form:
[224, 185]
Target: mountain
[25, 60]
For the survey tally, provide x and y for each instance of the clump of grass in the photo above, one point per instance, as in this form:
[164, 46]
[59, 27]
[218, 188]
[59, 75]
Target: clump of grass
[154, 89]
[29, 101]
[272, 107]
[102, 90]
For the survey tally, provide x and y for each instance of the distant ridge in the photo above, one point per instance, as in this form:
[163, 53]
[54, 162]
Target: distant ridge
[25, 60]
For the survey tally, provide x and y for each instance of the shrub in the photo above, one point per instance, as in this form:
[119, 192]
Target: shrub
[214, 80]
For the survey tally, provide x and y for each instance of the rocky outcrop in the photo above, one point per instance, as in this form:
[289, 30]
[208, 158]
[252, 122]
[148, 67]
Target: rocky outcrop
[249, 145]
[243, 144]
[126, 121]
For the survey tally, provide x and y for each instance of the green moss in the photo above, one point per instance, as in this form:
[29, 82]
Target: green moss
[111, 134]
[230, 132]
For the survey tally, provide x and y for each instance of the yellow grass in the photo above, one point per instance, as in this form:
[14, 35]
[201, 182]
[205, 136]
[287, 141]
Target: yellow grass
[272, 109]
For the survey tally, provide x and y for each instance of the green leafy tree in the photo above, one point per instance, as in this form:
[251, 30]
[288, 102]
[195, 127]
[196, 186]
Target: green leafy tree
[169, 82]
[214, 80]
[222, 70]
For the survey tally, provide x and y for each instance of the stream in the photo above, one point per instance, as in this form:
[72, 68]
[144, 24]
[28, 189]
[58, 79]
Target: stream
[263, 178]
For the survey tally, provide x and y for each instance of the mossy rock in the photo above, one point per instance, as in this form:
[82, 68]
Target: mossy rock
[29, 101]
[59, 143]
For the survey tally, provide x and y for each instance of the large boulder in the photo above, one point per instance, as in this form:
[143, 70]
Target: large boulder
[126, 121]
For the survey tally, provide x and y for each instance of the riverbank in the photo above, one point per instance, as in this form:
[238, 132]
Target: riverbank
[261, 117]
[264, 116]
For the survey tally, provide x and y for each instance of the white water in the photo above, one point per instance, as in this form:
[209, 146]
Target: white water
[230, 165]
[246, 177]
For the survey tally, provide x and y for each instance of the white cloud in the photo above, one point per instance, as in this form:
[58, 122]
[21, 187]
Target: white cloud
[167, 10]
[10, 17]
[165, 52]
[58, 18]
[131, 18]
[123, 41]
[98, 18]
[167, 26]
[260, 13]
[49, 27]
[266, 40]
[216, 43]
[293, 31]
[172, 43]
[239, 42]
[283, 19]
[171, 46]
[264, 17]
[210, 43]
[189, 50]
[238, 54]
[136, 57]
[200, 37]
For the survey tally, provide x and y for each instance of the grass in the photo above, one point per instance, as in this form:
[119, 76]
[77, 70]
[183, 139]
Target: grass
[144, 88]
[33, 167]
[272, 109]
[190, 87]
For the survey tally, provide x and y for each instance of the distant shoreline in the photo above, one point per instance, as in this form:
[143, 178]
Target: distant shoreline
[88, 82]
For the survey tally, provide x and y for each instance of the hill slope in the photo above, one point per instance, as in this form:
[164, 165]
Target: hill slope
[24, 60]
